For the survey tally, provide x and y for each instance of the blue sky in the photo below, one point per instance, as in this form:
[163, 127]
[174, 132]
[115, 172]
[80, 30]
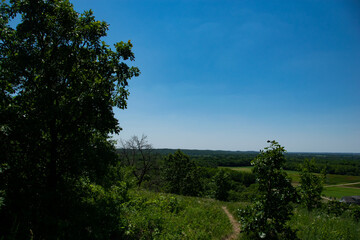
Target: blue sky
[231, 75]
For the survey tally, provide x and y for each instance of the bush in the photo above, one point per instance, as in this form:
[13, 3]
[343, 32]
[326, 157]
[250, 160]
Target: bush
[96, 213]
[335, 208]
[355, 212]
[311, 185]
[146, 217]
[171, 217]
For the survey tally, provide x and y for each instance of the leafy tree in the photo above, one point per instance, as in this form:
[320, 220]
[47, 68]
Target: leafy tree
[311, 185]
[58, 85]
[138, 154]
[267, 217]
[181, 175]
[222, 185]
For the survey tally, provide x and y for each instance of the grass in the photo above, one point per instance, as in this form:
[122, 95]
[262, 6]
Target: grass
[316, 224]
[234, 206]
[167, 216]
[321, 226]
[339, 192]
[333, 179]
[355, 185]
[242, 169]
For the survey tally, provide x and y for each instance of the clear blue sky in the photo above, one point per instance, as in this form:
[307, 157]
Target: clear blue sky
[231, 75]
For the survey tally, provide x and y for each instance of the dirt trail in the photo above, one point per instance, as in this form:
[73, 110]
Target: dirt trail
[344, 184]
[234, 223]
[326, 198]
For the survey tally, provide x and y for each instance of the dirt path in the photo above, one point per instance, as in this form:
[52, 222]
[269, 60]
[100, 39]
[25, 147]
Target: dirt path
[326, 198]
[344, 184]
[234, 223]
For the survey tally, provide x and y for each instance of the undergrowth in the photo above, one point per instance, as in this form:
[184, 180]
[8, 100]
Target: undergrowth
[320, 225]
[166, 216]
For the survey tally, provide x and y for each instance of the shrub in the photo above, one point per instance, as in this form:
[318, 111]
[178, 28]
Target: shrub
[335, 208]
[267, 217]
[98, 212]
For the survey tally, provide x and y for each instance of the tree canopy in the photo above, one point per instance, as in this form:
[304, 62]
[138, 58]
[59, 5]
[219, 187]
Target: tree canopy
[181, 175]
[311, 185]
[59, 83]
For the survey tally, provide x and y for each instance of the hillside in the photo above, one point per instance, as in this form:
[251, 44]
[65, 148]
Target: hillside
[168, 216]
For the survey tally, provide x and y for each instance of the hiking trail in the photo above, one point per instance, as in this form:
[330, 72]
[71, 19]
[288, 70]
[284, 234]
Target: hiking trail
[235, 224]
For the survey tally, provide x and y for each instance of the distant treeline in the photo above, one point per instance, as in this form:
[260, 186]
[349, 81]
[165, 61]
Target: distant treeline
[334, 163]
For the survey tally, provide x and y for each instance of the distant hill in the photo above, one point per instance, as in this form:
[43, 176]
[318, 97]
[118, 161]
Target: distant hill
[335, 163]
[196, 152]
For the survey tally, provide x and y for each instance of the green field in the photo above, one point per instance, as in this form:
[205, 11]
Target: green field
[242, 169]
[355, 185]
[331, 179]
[339, 192]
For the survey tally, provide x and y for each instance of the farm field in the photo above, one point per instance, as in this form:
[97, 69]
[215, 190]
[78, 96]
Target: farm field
[339, 192]
[331, 179]
[355, 185]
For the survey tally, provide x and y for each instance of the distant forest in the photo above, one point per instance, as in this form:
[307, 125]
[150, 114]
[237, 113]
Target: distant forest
[334, 163]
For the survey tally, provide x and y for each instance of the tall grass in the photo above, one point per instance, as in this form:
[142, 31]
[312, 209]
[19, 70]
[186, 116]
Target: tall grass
[166, 216]
[321, 226]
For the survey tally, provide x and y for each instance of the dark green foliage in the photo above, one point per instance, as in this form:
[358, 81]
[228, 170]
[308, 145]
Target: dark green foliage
[95, 213]
[243, 194]
[2, 195]
[210, 158]
[2, 191]
[267, 217]
[246, 178]
[181, 175]
[311, 185]
[229, 184]
[335, 208]
[58, 85]
[222, 185]
[334, 163]
[355, 212]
